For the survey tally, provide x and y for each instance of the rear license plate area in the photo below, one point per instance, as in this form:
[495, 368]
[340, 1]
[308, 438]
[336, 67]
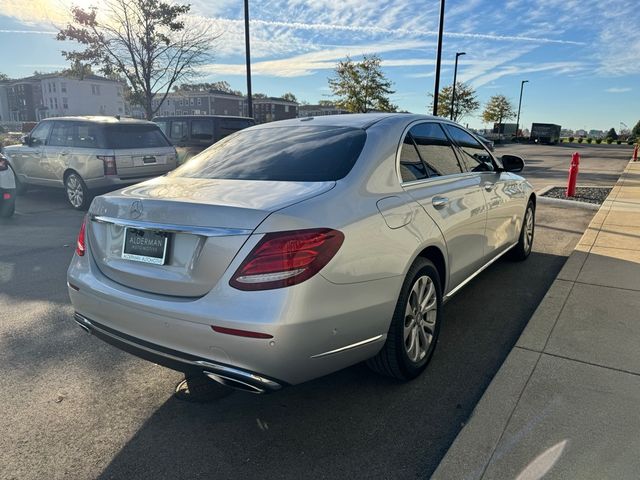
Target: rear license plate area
[146, 246]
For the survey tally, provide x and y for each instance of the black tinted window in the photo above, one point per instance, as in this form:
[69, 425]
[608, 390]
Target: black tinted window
[475, 158]
[296, 154]
[134, 136]
[411, 167]
[228, 126]
[179, 130]
[202, 129]
[435, 149]
[164, 126]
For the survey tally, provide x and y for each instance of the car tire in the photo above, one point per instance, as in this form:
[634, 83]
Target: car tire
[7, 207]
[525, 242]
[77, 192]
[413, 333]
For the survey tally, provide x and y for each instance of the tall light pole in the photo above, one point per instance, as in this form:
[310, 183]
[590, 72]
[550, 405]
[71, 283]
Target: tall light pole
[519, 106]
[436, 87]
[248, 58]
[455, 76]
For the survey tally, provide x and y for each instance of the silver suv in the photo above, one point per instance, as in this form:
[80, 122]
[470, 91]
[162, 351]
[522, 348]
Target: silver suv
[84, 154]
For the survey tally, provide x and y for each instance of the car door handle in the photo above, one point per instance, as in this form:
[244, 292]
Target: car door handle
[64, 153]
[439, 202]
[488, 186]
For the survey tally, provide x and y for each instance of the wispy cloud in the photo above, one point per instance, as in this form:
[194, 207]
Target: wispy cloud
[618, 89]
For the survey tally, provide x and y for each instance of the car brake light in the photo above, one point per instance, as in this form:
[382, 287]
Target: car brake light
[282, 259]
[81, 246]
[6, 196]
[109, 164]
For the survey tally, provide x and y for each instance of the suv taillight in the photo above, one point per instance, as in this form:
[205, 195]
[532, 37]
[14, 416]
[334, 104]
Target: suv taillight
[81, 246]
[283, 259]
[109, 164]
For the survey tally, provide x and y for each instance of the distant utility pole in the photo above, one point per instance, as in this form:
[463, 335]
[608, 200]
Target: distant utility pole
[455, 76]
[520, 105]
[248, 58]
[436, 87]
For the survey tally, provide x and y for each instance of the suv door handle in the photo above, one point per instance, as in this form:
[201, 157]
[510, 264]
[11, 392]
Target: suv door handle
[488, 186]
[439, 202]
[64, 153]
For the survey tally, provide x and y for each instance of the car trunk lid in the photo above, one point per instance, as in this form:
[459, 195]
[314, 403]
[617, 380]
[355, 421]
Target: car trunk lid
[206, 222]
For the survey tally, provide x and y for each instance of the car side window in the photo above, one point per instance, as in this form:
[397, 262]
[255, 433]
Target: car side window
[62, 135]
[40, 134]
[435, 150]
[71, 134]
[179, 130]
[411, 167]
[202, 129]
[475, 158]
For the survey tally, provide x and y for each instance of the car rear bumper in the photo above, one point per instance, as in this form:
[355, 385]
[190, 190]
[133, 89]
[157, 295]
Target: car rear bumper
[310, 336]
[182, 362]
[113, 181]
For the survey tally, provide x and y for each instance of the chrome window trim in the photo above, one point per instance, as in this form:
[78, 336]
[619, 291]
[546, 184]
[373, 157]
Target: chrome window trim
[172, 228]
[399, 151]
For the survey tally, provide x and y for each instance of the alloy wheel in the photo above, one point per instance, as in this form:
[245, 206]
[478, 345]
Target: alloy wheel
[421, 313]
[75, 191]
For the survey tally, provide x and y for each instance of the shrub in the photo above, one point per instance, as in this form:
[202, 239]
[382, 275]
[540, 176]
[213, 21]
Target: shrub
[580, 139]
[571, 138]
[589, 140]
[599, 141]
[630, 141]
[619, 142]
[609, 141]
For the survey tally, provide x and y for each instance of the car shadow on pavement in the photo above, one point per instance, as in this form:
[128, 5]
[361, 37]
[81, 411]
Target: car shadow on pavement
[351, 423]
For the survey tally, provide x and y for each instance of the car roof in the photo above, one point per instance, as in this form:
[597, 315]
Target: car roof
[169, 117]
[354, 120]
[101, 119]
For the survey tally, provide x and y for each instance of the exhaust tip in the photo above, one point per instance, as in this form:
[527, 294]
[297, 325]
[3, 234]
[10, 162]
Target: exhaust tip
[234, 383]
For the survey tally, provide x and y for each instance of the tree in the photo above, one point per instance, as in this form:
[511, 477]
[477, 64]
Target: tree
[290, 97]
[465, 102]
[612, 134]
[635, 131]
[327, 103]
[498, 108]
[362, 86]
[221, 86]
[4, 76]
[146, 41]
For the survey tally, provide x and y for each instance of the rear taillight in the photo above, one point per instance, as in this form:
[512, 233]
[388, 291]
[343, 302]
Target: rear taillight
[81, 246]
[109, 162]
[283, 259]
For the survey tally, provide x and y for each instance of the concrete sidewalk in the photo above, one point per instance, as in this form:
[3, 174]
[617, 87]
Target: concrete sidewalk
[566, 402]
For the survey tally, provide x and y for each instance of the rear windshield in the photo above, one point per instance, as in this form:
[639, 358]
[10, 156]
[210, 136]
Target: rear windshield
[134, 136]
[299, 154]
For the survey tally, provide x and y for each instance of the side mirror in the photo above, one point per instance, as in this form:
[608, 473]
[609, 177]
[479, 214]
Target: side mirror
[512, 163]
[26, 140]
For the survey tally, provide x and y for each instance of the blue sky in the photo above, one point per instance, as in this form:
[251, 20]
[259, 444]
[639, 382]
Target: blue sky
[581, 57]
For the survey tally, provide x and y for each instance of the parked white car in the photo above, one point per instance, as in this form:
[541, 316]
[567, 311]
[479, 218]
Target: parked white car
[85, 154]
[7, 188]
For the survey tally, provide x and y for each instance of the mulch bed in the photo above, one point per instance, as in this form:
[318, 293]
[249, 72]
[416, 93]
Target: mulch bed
[595, 195]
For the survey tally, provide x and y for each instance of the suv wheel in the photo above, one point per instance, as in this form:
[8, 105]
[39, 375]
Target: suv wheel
[415, 325]
[77, 191]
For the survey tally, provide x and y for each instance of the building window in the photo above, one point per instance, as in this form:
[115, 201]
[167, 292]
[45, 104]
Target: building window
[199, 101]
[286, 108]
[191, 102]
[65, 103]
[49, 86]
[95, 89]
[63, 87]
[50, 102]
[54, 88]
[55, 101]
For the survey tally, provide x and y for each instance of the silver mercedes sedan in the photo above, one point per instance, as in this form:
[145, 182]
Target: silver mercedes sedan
[293, 249]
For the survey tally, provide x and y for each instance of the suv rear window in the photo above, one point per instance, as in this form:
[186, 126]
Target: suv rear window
[134, 136]
[299, 154]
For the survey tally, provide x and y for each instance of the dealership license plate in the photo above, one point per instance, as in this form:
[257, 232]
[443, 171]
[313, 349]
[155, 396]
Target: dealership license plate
[146, 246]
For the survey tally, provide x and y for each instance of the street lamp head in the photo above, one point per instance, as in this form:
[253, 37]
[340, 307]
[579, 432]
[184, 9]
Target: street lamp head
[459, 54]
[525, 81]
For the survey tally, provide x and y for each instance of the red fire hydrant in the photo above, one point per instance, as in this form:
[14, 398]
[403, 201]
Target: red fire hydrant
[573, 174]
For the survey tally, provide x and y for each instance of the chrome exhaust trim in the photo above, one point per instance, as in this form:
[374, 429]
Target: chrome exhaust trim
[233, 383]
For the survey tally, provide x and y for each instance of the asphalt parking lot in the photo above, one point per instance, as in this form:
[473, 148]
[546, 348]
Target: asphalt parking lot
[73, 407]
